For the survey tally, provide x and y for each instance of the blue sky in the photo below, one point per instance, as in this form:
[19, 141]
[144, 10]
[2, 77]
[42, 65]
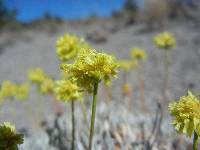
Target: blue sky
[29, 10]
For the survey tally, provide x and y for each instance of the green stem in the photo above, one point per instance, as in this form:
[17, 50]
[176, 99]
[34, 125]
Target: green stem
[94, 103]
[73, 126]
[166, 73]
[195, 141]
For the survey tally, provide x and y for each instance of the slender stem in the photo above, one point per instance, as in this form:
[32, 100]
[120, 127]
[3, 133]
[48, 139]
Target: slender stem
[166, 73]
[142, 88]
[124, 78]
[73, 126]
[94, 103]
[195, 141]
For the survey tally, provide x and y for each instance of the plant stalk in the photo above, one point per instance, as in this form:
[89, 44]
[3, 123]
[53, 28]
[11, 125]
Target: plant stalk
[195, 141]
[142, 89]
[166, 73]
[73, 126]
[94, 103]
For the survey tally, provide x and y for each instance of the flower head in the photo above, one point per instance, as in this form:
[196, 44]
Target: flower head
[138, 54]
[66, 90]
[68, 46]
[47, 86]
[91, 67]
[165, 40]
[23, 91]
[9, 139]
[127, 65]
[36, 75]
[44, 82]
[8, 89]
[186, 114]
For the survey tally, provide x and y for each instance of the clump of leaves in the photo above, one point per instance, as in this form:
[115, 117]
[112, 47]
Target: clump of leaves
[9, 139]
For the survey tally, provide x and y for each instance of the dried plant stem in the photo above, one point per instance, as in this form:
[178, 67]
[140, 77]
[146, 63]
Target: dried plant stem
[94, 103]
[195, 141]
[73, 126]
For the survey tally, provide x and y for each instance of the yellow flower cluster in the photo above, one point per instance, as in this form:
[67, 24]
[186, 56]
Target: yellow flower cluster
[66, 90]
[165, 40]
[9, 139]
[23, 91]
[47, 86]
[8, 89]
[138, 54]
[91, 67]
[11, 90]
[187, 114]
[127, 65]
[43, 81]
[36, 75]
[68, 46]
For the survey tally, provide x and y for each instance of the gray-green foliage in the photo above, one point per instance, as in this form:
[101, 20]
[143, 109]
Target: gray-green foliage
[9, 140]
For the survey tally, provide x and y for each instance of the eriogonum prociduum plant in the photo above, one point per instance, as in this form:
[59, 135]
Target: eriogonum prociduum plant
[165, 41]
[67, 49]
[68, 91]
[68, 46]
[186, 114]
[88, 70]
[9, 138]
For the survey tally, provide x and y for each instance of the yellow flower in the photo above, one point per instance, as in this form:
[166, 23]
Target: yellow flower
[66, 90]
[47, 86]
[36, 75]
[8, 89]
[23, 91]
[165, 40]
[138, 54]
[68, 46]
[186, 114]
[127, 65]
[9, 139]
[91, 67]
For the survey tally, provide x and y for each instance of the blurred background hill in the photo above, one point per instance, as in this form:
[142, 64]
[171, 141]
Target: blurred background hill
[148, 11]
